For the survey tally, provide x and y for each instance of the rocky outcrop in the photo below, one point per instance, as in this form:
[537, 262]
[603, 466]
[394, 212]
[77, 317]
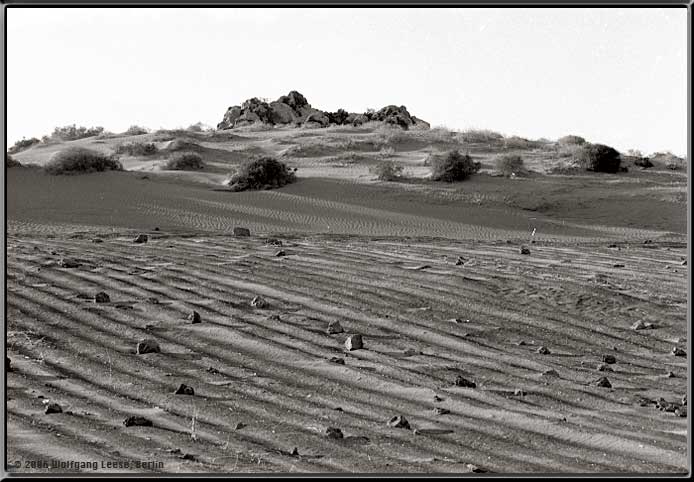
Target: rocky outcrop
[294, 110]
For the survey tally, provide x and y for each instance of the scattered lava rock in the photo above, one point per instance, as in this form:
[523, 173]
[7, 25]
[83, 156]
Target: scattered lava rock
[460, 261]
[684, 263]
[677, 351]
[640, 325]
[332, 432]
[681, 411]
[604, 367]
[524, 250]
[399, 422]
[259, 302]
[280, 253]
[184, 389]
[148, 346]
[339, 361]
[194, 317]
[684, 400]
[69, 263]
[53, 408]
[97, 240]
[618, 265]
[273, 242]
[334, 327]
[476, 469]
[295, 451]
[550, 373]
[461, 381]
[102, 297]
[603, 382]
[438, 399]
[141, 238]
[8, 364]
[137, 421]
[670, 375]
[354, 342]
[242, 232]
[239, 426]
[609, 359]
[543, 350]
[519, 392]
[441, 411]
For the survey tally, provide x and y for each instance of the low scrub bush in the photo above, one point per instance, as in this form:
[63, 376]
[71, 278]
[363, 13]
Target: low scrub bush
[72, 132]
[599, 158]
[264, 172]
[11, 161]
[185, 161]
[136, 131]
[137, 149]
[23, 144]
[508, 164]
[515, 142]
[452, 166]
[81, 160]
[571, 139]
[386, 152]
[387, 170]
[480, 136]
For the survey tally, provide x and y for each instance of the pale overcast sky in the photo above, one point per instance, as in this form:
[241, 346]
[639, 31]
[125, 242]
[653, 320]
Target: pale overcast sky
[616, 76]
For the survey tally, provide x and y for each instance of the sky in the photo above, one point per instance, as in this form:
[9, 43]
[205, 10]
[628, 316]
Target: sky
[616, 76]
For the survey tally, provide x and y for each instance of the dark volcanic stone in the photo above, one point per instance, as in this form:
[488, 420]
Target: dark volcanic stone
[53, 408]
[8, 364]
[679, 352]
[184, 389]
[339, 361]
[354, 342]
[141, 238]
[332, 432]
[603, 382]
[148, 346]
[242, 232]
[399, 422]
[543, 350]
[137, 421]
[461, 381]
[102, 297]
[194, 317]
[334, 327]
[524, 250]
[609, 359]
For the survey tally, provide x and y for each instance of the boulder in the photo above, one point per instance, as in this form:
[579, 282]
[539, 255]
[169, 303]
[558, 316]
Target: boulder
[609, 359]
[53, 408]
[333, 432]
[317, 119]
[334, 327]
[242, 232]
[461, 381]
[137, 421]
[399, 422]
[184, 389]
[148, 346]
[354, 342]
[603, 382]
[141, 238]
[259, 302]
[524, 250]
[543, 350]
[677, 351]
[194, 318]
[8, 364]
[102, 297]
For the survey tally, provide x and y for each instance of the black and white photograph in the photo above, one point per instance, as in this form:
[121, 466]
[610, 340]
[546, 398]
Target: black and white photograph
[397, 240]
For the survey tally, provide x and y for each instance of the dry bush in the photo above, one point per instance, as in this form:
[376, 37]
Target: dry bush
[81, 160]
[261, 173]
[508, 164]
[599, 158]
[480, 136]
[185, 161]
[137, 149]
[515, 142]
[386, 152]
[572, 139]
[23, 144]
[387, 170]
[135, 130]
[452, 166]
[11, 161]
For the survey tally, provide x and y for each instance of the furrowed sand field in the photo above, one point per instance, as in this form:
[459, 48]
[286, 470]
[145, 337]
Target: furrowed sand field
[571, 358]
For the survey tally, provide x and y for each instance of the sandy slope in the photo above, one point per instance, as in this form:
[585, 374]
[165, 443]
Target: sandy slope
[379, 258]
[271, 368]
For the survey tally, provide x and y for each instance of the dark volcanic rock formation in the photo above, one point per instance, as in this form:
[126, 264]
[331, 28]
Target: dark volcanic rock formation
[294, 110]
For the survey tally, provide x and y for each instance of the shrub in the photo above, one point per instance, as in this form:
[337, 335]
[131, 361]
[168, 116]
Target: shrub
[72, 132]
[185, 161]
[452, 166]
[80, 160]
[261, 173]
[571, 139]
[508, 164]
[136, 131]
[515, 142]
[480, 136]
[137, 149]
[23, 144]
[599, 158]
[11, 161]
[387, 170]
[386, 152]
